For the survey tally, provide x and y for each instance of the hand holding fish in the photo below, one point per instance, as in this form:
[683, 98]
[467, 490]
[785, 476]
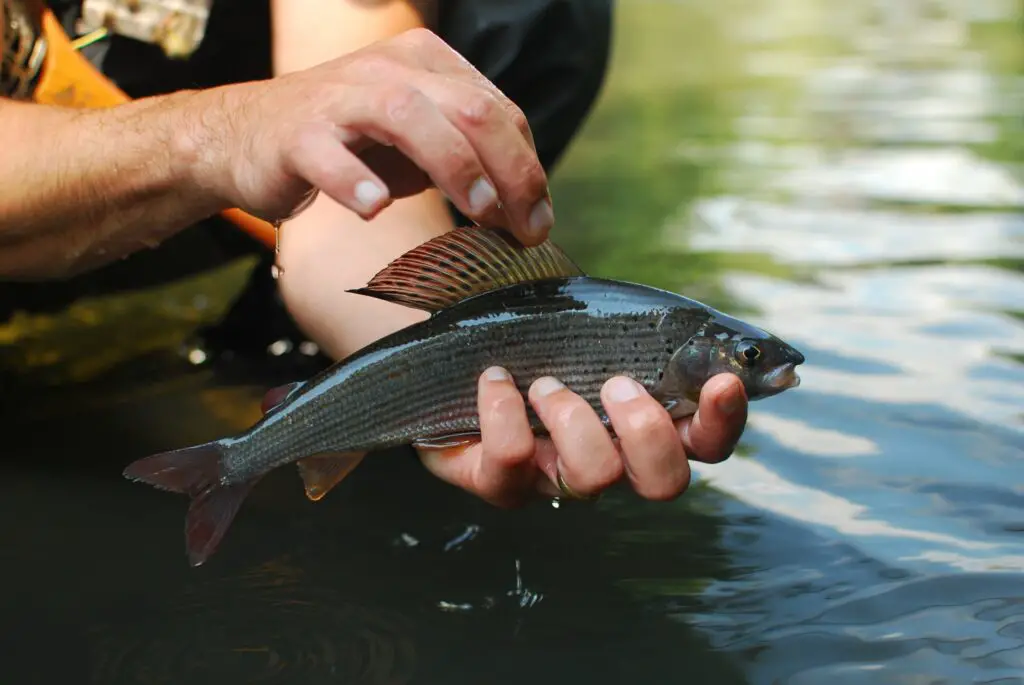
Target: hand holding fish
[474, 387]
[509, 466]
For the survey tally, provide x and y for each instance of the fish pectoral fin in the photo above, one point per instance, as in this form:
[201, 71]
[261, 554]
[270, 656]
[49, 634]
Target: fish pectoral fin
[447, 442]
[322, 472]
[462, 263]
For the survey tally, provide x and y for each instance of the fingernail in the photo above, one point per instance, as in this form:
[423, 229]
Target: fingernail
[542, 217]
[481, 195]
[496, 373]
[623, 389]
[546, 386]
[368, 194]
[732, 402]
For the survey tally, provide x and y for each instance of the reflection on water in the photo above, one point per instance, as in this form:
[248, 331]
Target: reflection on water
[846, 174]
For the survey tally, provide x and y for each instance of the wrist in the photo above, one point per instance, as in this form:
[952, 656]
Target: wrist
[199, 153]
[210, 141]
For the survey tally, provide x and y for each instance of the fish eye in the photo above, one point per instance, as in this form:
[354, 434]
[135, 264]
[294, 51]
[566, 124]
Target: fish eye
[748, 353]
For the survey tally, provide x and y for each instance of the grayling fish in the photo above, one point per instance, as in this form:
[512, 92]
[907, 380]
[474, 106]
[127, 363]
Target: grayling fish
[492, 302]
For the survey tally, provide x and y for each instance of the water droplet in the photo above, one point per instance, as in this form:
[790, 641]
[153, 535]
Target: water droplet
[276, 271]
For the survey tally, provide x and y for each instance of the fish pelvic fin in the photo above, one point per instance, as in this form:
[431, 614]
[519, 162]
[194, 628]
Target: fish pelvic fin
[195, 471]
[462, 263]
[322, 472]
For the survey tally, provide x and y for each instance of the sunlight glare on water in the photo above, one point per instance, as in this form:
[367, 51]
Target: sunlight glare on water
[904, 444]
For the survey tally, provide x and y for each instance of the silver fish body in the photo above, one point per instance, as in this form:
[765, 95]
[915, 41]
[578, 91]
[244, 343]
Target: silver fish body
[492, 303]
[420, 383]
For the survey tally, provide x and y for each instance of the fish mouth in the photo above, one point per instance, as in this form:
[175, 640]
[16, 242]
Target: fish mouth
[784, 378]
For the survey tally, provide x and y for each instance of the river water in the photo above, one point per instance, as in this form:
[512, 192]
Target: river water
[846, 174]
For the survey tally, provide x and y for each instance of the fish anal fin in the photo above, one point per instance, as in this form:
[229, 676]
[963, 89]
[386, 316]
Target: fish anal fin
[462, 263]
[447, 445]
[322, 472]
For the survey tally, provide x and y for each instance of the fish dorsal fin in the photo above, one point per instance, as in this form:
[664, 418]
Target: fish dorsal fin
[462, 263]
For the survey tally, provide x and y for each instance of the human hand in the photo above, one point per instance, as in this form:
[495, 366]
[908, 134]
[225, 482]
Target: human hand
[380, 123]
[509, 465]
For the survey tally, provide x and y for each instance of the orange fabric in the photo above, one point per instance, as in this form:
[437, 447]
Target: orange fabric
[70, 80]
[67, 78]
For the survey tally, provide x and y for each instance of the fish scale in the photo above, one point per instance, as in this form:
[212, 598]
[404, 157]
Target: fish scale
[492, 302]
[391, 399]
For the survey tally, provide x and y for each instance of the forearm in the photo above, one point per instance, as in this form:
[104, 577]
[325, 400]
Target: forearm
[327, 250]
[80, 188]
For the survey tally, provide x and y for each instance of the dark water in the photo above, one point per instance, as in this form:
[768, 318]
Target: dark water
[847, 174]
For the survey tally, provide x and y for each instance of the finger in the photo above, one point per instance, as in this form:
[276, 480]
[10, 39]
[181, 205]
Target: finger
[653, 454]
[711, 434]
[413, 51]
[545, 457]
[587, 458]
[318, 155]
[510, 162]
[403, 116]
[456, 465]
[444, 59]
[505, 473]
[400, 173]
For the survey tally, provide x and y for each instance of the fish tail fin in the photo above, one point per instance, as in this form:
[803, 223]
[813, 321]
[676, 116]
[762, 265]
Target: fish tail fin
[195, 471]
